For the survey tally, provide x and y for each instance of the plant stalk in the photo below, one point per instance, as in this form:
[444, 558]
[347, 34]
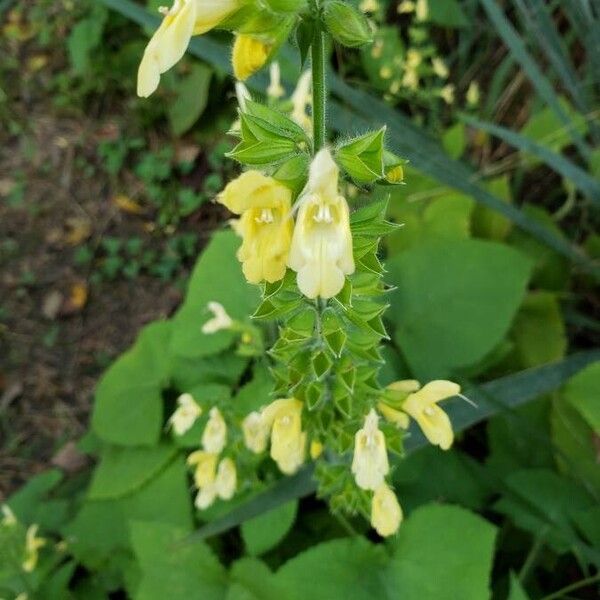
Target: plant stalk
[319, 91]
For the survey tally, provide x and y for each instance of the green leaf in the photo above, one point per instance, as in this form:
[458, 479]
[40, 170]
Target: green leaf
[454, 302]
[352, 569]
[121, 471]
[172, 569]
[218, 277]
[84, 38]
[191, 97]
[516, 590]
[276, 122]
[543, 503]
[266, 531]
[539, 331]
[251, 579]
[583, 393]
[434, 546]
[447, 13]
[129, 407]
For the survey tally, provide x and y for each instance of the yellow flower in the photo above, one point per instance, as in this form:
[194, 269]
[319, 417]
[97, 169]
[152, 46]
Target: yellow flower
[170, 41]
[413, 58]
[302, 98]
[316, 449]
[205, 497]
[32, 545]
[185, 415]
[410, 79]
[369, 6]
[394, 416]
[8, 516]
[206, 466]
[370, 462]
[265, 225]
[447, 93]
[249, 55]
[220, 320]
[256, 432]
[473, 94]
[215, 432]
[439, 67]
[275, 89]
[406, 6]
[422, 406]
[386, 514]
[288, 441]
[321, 250]
[226, 479]
[421, 10]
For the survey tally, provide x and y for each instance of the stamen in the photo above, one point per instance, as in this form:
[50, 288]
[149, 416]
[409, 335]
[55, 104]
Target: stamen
[323, 214]
[266, 216]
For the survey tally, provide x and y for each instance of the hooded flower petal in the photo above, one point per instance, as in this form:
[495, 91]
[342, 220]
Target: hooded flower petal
[206, 466]
[220, 320]
[185, 414]
[215, 432]
[422, 407]
[205, 497]
[370, 462]
[265, 225]
[226, 480]
[386, 514]
[32, 546]
[288, 441]
[321, 250]
[256, 432]
[249, 55]
[170, 41]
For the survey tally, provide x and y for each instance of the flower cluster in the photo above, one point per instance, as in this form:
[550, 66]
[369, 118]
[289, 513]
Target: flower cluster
[318, 247]
[28, 545]
[317, 264]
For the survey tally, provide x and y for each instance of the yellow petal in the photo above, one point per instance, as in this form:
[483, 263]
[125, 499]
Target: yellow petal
[249, 55]
[386, 514]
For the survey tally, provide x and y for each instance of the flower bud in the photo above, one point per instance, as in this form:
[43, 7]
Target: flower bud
[346, 25]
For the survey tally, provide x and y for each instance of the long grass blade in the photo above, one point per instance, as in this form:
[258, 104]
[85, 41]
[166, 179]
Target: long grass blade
[491, 398]
[588, 185]
[539, 81]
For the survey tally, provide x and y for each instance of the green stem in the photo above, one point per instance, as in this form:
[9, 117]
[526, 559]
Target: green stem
[571, 588]
[319, 91]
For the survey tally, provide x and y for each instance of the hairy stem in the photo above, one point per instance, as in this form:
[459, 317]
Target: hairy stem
[319, 91]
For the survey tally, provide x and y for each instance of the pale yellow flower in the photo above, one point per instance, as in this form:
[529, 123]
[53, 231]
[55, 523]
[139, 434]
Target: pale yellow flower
[422, 406]
[265, 225]
[249, 55]
[32, 546]
[206, 467]
[413, 58]
[421, 10]
[220, 320]
[316, 449]
[321, 250]
[473, 94]
[275, 89]
[397, 417]
[185, 414]
[369, 6]
[301, 99]
[256, 432]
[288, 441]
[226, 480]
[205, 497]
[214, 436]
[385, 72]
[439, 67]
[406, 6]
[170, 41]
[8, 516]
[410, 79]
[386, 514]
[447, 93]
[370, 461]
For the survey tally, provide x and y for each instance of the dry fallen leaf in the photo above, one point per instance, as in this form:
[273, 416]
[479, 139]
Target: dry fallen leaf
[6, 186]
[51, 304]
[187, 153]
[126, 204]
[69, 458]
[37, 62]
[78, 295]
[78, 230]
